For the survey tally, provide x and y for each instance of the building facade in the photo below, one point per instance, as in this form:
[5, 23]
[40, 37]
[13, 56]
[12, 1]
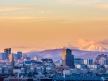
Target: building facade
[69, 58]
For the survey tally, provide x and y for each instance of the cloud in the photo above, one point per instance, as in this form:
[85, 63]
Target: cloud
[21, 47]
[80, 2]
[102, 6]
[7, 9]
[96, 4]
[14, 8]
[84, 43]
[25, 11]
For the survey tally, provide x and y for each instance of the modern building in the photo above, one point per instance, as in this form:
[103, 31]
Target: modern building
[4, 56]
[69, 58]
[6, 53]
[7, 50]
[85, 62]
[18, 55]
[90, 62]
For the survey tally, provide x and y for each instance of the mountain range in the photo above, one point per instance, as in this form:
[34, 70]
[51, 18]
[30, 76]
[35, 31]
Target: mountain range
[88, 49]
[56, 54]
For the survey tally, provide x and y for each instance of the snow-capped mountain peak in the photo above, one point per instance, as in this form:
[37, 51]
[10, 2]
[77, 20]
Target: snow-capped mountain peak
[91, 46]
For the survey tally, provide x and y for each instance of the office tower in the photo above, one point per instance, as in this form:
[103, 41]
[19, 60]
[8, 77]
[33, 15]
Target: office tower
[69, 58]
[85, 61]
[5, 55]
[7, 50]
[90, 62]
[12, 62]
[19, 55]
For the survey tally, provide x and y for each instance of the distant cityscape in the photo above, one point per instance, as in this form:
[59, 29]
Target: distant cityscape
[21, 67]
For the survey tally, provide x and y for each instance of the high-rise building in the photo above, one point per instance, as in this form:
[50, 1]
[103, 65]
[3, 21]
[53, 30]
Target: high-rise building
[7, 50]
[85, 61]
[69, 58]
[6, 53]
[90, 62]
[4, 56]
[18, 55]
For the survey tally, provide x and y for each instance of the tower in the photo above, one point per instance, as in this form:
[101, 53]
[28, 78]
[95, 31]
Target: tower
[6, 54]
[69, 58]
[7, 50]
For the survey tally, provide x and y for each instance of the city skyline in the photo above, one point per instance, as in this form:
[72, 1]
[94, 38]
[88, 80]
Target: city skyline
[47, 24]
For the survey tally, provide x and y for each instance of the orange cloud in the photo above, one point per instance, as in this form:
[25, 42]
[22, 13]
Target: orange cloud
[80, 2]
[9, 9]
[13, 8]
[102, 6]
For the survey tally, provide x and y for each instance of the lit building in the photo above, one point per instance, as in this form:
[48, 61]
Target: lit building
[85, 61]
[88, 61]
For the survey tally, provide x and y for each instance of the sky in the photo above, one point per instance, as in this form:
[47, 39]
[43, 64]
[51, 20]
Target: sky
[47, 24]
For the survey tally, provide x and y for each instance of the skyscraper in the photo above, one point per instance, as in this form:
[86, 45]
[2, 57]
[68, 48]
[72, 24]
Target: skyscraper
[90, 61]
[19, 55]
[5, 55]
[7, 50]
[69, 58]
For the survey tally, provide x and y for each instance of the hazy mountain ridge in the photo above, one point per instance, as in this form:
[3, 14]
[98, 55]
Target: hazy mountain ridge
[56, 54]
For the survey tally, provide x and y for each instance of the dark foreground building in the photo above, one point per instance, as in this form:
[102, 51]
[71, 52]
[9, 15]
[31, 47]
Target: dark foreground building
[69, 58]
